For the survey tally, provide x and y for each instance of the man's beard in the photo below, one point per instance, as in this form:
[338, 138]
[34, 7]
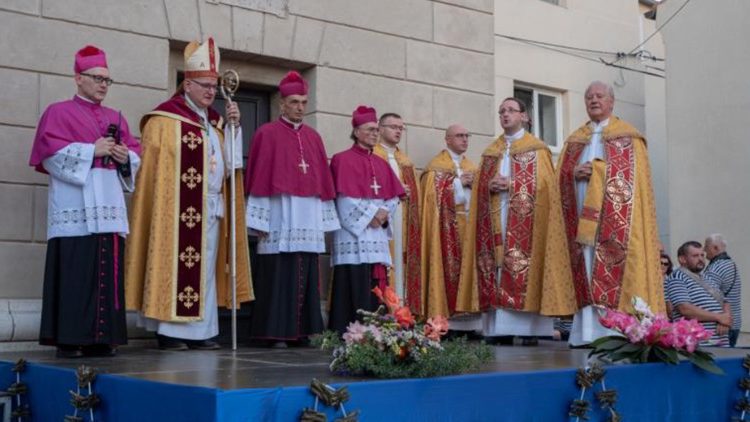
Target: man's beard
[696, 268]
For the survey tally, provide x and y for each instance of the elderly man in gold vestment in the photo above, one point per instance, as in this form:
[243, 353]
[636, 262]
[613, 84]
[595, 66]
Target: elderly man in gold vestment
[610, 218]
[516, 268]
[446, 194]
[178, 252]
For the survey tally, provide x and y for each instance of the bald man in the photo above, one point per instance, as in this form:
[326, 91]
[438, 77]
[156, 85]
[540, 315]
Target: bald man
[723, 272]
[446, 193]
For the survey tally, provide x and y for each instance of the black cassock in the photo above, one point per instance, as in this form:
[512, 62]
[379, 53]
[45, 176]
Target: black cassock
[351, 290]
[84, 295]
[287, 297]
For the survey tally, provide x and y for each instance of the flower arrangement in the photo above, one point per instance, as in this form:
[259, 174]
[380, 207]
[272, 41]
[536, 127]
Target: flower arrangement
[389, 343]
[647, 337]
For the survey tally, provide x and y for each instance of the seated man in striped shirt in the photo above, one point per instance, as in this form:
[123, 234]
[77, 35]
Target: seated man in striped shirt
[723, 272]
[694, 297]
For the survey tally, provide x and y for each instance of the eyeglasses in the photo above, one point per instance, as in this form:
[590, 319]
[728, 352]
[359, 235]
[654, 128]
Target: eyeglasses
[462, 135]
[99, 79]
[207, 87]
[369, 129]
[396, 127]
[508, 110]
[665, 264]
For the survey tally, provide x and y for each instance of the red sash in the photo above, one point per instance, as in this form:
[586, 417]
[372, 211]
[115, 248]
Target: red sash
[615, 222]
[519, 231]
[570, 216]
[450, 245]
[412, 246]
[616, 219]
[511, 291]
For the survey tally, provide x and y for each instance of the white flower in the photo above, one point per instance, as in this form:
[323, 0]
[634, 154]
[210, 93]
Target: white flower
[641, 308]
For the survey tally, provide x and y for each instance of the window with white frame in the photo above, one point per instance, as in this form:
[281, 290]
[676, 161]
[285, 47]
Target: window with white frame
[545, 114]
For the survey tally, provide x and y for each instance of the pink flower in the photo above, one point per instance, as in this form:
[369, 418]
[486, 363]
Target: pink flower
[658, 328]
[355, 333]
[688, 334]
[436, 327]
[635, 331]
[616, 320]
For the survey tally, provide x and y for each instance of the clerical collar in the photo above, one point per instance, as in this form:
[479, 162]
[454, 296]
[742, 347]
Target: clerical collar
[294, 126]
[456, 157]
[597, 127]
[515, 136]
[86, 100]
[362, 150]
[199, 111]
[389, 150]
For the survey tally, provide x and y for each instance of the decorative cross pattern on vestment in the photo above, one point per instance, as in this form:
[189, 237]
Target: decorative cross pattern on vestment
[190, 217]
[192, 140]
[303, 165]
[189, 256]
[191, 178]
[375, 186]
[188, 297]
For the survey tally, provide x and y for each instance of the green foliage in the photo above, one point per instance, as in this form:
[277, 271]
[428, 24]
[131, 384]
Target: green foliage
[328, 340]
[456, 357]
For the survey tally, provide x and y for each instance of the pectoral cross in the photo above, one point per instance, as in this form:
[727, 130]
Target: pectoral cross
[303, 165]
[213, 162]
[375, 186]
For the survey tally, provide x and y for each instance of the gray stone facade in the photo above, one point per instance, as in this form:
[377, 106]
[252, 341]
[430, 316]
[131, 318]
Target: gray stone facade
[432, 61]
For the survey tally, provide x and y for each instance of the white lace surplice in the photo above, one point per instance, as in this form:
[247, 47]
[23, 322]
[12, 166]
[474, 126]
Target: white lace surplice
[81, 200]
[356, 242]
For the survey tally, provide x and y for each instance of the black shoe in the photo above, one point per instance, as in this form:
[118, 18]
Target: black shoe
[171, 343]
[203, 345]
[499, 340]
[69, 352]
[99, 350]
[529, 341]
[278, 345]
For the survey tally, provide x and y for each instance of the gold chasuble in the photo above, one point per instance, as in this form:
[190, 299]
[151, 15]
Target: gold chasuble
[165, 277]
[533, 259]
[414, 291]
[443, 232]
[618, 219]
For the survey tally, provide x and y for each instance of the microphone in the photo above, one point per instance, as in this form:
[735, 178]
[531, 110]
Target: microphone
[114, 132]
[111, 133]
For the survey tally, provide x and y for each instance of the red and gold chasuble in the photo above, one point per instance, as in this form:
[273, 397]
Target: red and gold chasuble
[616, 219]
[443, 231]
[516, 250]
[165, 259]
[528, 269]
